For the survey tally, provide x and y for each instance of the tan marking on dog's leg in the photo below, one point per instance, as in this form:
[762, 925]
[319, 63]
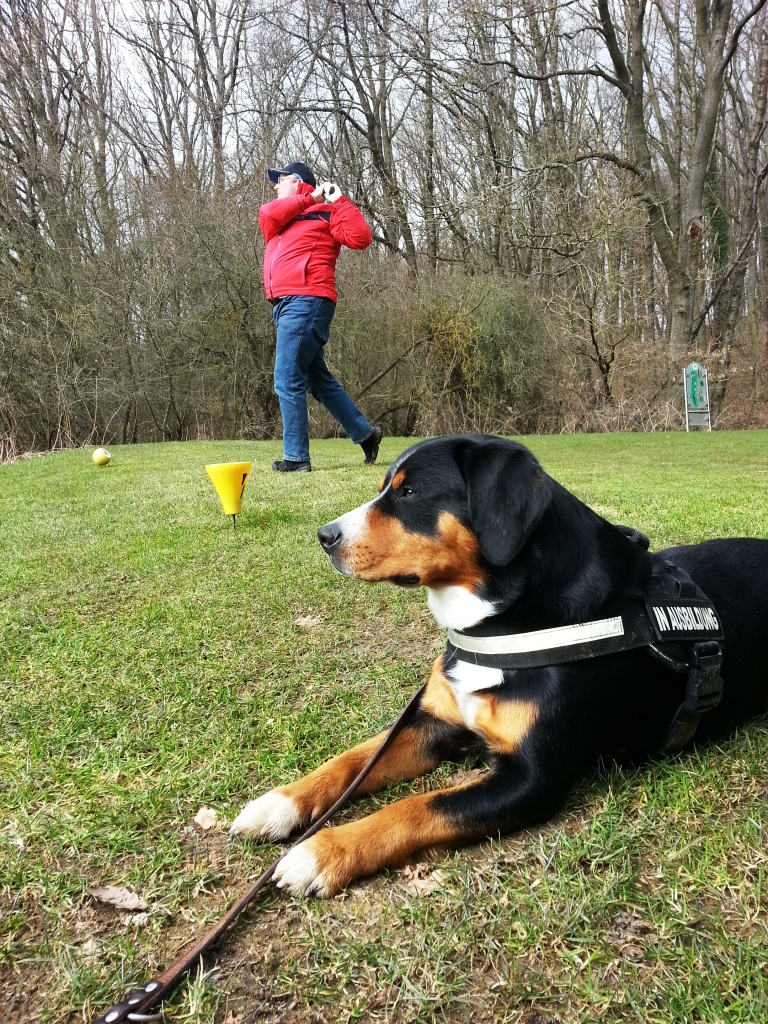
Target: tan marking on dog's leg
[405, 759]
[504, 724]
[439, 699]
[337, 856]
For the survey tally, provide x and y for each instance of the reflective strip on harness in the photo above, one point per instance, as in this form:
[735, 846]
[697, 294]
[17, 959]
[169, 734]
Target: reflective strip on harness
[539, 639]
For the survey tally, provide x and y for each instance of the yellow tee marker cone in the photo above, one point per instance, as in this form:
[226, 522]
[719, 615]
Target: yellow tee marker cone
[229, 479]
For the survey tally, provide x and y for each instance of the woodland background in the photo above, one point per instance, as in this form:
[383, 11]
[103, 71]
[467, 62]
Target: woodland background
[568, 200]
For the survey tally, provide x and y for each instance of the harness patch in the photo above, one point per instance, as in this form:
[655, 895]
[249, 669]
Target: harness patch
[684, 619]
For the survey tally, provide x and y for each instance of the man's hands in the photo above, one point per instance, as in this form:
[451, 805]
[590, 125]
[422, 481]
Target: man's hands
[327, 192]
[331, 191]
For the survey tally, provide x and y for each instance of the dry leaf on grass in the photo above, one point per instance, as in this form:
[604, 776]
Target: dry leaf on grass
[631, 951]
[627, 932]
[136, 920]
[420, 881]
[90, 950]
[116, 896]
[626, 927]
[206, 818]
[308, 621]
[463, 776]
[382, 997]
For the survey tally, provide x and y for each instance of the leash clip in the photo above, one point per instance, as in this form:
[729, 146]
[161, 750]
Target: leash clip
[126, 1011]
[705, 684]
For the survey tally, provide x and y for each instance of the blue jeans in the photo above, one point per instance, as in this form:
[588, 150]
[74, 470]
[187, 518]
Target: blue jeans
[303, 325]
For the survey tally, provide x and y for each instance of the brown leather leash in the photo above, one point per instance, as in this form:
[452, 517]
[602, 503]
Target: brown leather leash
[135, 1006]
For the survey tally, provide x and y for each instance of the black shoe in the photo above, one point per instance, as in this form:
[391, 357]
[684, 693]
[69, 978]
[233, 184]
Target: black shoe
[371, 446]
[292, 467]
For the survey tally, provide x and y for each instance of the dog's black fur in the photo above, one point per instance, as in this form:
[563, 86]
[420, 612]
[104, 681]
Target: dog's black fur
[476, 517]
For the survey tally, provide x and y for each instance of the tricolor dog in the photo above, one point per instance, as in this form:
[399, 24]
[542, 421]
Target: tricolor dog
[567, 641]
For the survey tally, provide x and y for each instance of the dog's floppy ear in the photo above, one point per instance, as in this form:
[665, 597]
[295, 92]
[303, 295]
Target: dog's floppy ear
[507, 493]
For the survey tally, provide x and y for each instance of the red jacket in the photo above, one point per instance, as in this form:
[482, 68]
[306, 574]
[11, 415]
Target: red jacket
[304, 239]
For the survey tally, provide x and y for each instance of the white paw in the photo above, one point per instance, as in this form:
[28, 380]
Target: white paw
[273, 816]
[298, 872]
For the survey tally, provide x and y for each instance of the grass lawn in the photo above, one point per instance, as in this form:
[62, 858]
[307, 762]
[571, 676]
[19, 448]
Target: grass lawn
[154, 661]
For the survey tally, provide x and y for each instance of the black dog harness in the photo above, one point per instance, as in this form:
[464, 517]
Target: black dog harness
[674, 620]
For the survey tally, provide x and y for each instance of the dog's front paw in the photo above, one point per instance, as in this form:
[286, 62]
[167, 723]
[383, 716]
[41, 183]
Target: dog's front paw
[322, 865]
[273, 816]
[300, 873]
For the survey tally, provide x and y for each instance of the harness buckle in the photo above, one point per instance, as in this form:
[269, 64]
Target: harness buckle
[705, 684]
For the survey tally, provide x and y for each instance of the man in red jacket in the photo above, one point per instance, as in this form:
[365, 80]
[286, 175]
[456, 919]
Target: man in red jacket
[305, 228]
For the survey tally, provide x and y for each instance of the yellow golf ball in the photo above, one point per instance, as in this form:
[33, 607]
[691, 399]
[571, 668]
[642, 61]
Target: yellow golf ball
[101, 456]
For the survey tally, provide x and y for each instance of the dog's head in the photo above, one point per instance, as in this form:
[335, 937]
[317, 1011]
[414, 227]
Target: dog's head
[450, 512]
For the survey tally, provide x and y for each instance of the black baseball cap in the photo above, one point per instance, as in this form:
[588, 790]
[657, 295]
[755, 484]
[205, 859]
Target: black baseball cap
[300, 170]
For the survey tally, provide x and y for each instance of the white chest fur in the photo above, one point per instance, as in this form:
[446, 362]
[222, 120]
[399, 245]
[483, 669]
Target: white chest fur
[458, 608]
[465, 681]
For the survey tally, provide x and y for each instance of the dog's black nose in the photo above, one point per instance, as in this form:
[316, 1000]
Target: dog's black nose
[329, 536]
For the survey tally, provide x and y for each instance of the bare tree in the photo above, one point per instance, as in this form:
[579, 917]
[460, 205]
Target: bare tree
[736, 213]
[676, 218]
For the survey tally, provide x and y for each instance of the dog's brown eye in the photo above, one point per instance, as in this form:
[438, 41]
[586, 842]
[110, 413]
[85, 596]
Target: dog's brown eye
[405, 492]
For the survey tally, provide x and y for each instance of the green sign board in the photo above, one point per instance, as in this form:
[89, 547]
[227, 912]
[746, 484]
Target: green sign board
[696, 396]
[696, 386]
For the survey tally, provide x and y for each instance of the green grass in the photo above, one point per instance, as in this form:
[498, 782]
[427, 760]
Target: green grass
[153, 661]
